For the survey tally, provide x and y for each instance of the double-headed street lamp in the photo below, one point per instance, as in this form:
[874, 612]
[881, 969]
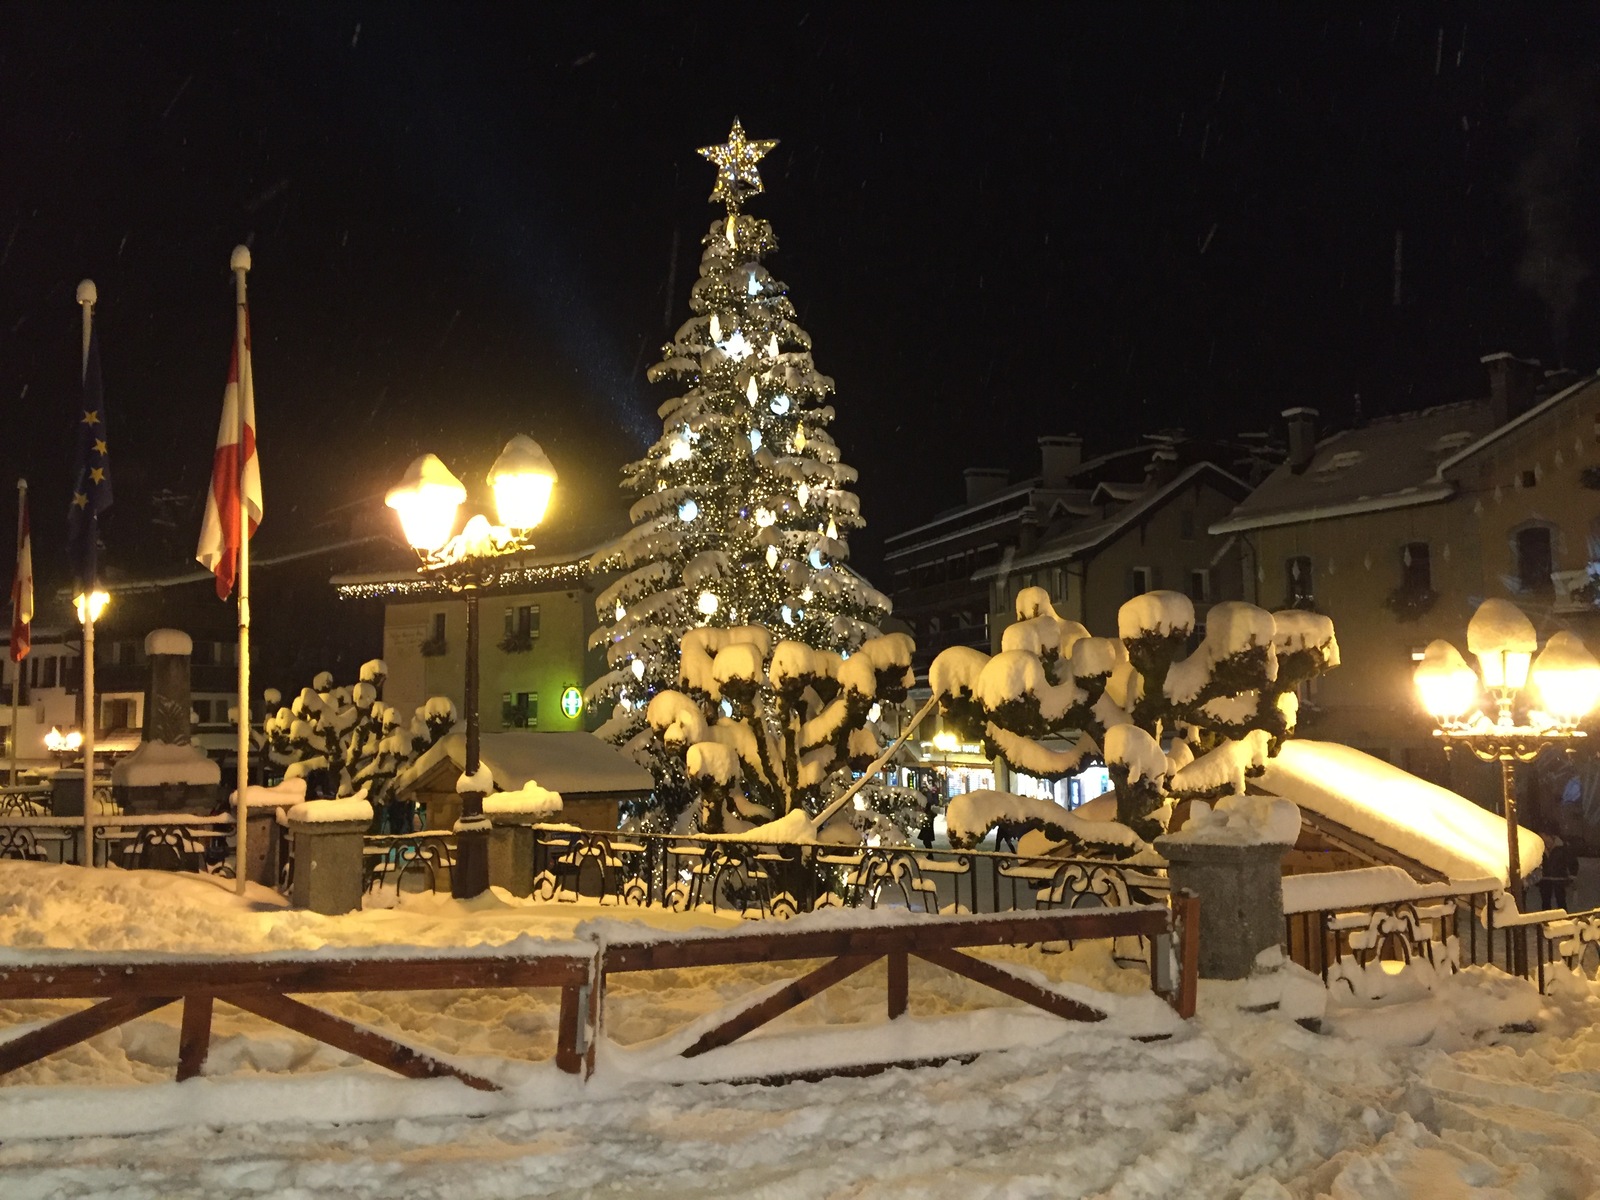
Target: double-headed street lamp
[427, 499]
[1565, 682]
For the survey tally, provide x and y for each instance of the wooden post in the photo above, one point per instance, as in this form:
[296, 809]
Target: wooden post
[899, 963]
[194, 1036]
[1186, 918]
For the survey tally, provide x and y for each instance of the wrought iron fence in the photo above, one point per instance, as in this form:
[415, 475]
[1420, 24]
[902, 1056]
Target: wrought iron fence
[160, 841]
[1441, 932]
[771, 879]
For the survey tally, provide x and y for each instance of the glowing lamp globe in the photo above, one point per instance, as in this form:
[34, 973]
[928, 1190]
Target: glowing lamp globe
[945, 742]
[1503, 639]
[1568, 678]
[91, 606]
[523, 480]
[1448, 687]
[426, 499]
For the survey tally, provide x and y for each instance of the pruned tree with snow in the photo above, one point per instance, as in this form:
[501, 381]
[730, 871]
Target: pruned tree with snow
[1168, 723]
[744, 505]
[345, 741]
[767, 730]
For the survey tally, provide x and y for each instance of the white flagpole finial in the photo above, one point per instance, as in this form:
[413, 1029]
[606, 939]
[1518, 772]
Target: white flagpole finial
[240, 260]
[87, 292]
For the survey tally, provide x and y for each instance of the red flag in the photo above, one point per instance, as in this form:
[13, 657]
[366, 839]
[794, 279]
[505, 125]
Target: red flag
[22, 591]
[219, 532]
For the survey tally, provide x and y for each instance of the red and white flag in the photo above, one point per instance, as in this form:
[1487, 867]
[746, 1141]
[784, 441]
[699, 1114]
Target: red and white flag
[219, 532]
[22, 591]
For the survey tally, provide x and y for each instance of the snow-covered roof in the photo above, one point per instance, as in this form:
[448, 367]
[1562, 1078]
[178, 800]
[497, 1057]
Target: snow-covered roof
[1392, 462]
[1077, 539]
[1515, 423]
[1431, 825]
[572, 762]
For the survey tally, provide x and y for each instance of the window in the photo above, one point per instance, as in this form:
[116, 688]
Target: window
[1139, 581]
[438, 627]
[1416, 568]
[47, 672]
[1299, 592]
[1527, 479]
[1534, 559]
[519, 710]
[116, 714]
[528, 620]
[1200, 585]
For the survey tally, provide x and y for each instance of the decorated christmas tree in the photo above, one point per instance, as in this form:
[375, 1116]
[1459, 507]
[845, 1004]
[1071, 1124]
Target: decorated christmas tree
[744, 505]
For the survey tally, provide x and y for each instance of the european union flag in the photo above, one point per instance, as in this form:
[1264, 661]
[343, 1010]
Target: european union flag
[91, 488]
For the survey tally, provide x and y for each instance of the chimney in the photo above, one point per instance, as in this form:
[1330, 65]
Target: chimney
[1059, 457]
[1512, 382]
[1028, 530]
[1162, 467]
[983, 482]
[1302, 423]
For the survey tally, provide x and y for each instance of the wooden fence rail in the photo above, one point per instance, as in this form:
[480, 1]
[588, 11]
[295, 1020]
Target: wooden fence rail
[265, 984]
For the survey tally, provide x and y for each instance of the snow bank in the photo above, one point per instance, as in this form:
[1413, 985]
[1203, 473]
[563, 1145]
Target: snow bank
[793, 828]
[1333, 890]
[1500, 625]
[1223, 770]
[956, 670]
[317, 812]
[480, 782]
[289, 791]
[972, 815]
[1131, 747]
[168, 641]
[156, 763]
[530, 800]
[1421, 820]
[1155, 612]
[1241, 821]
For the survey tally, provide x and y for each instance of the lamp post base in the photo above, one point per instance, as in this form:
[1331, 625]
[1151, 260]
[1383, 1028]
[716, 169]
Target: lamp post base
[470, 875]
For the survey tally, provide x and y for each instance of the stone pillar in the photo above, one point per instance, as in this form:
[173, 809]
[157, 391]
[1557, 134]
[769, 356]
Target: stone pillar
[166, 773]
[327, 865]
[265, 841]
[66, 792]
[511, 853]
[1241, 899]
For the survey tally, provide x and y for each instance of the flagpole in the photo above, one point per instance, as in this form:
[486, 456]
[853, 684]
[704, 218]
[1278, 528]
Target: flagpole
[240, 263]
[16, 605]
[87, 295]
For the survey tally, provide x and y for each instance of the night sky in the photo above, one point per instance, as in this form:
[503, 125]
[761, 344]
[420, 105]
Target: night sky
[996, 222]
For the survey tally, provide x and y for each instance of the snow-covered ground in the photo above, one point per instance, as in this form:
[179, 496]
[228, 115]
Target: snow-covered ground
[1424, 1098]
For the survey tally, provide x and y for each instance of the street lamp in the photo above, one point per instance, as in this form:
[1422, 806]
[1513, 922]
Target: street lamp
[946, 744]
[426, 499]
[1566, 687]
[63, 745]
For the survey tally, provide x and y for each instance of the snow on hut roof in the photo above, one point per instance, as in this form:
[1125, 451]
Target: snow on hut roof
[1392, 462]
[572, 762]
[1420, 820]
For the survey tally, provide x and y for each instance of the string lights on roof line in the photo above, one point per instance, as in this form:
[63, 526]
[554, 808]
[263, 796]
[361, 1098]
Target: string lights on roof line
[512, 578]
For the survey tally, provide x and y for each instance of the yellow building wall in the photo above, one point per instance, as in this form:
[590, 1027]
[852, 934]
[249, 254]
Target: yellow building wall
[557, 660]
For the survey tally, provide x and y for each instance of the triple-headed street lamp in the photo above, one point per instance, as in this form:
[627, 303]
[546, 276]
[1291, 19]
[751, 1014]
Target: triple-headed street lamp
[427, 499]
[1520, 721]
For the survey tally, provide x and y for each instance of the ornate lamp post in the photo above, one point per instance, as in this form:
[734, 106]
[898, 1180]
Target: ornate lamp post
[426, 499]
[1522, 721]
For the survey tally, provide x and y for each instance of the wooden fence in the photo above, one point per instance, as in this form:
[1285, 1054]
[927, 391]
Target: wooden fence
[125, 988]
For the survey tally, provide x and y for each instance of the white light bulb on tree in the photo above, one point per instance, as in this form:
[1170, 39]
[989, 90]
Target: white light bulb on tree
[779, 404]
[621, 612]
[753, 286]
[523, 480]
[765, 517]
[637, 667]
[833, 529]
[716, 328]
[426, 499]
[688, 511]
[802, 494]
[707, 603]
[738, 346]
[755, 440]
[752, 393]
[772, 556]
[772, 346]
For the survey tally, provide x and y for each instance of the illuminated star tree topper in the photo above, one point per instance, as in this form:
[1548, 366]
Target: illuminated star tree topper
[736, 161]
